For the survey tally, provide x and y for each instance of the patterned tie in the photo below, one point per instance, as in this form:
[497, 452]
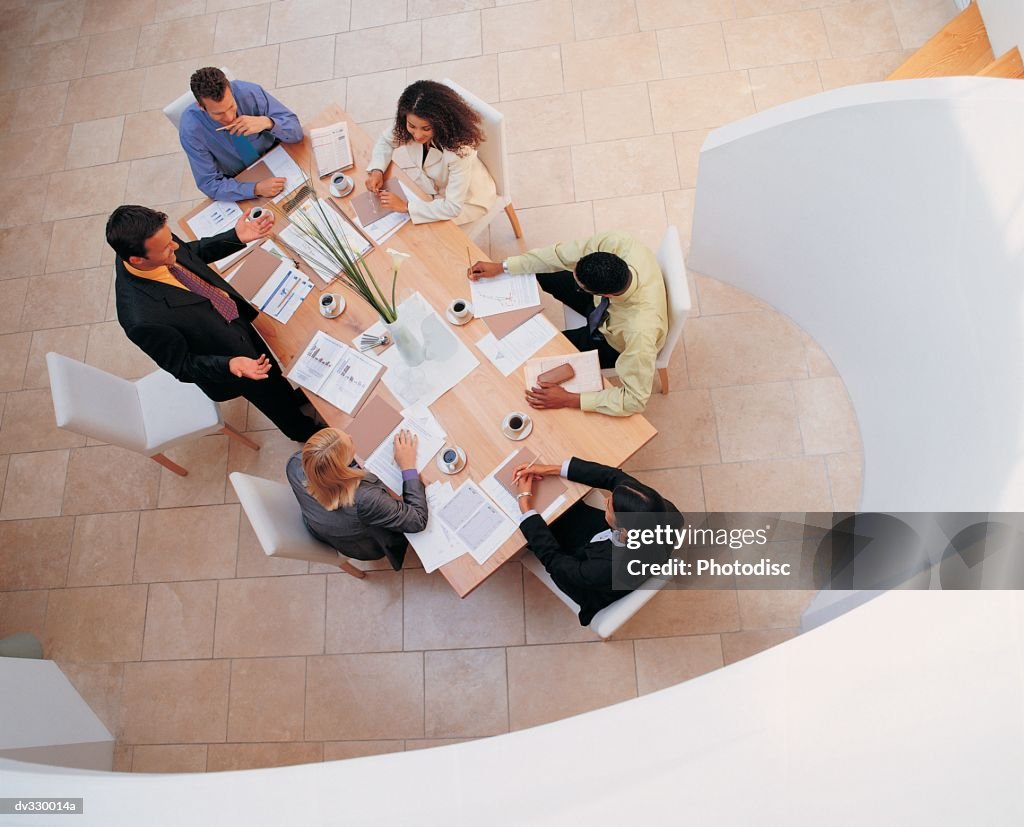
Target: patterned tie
[596, 317]
[221, 301]
[246, 151]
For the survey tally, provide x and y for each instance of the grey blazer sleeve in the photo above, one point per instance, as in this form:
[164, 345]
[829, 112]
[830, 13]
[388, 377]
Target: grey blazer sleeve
[379, 508]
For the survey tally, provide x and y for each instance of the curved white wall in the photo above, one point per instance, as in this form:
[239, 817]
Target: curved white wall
[888, 221]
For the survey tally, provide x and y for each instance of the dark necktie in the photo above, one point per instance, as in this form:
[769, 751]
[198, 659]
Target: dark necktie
[221, 302]
[246, 151]
[596, 317]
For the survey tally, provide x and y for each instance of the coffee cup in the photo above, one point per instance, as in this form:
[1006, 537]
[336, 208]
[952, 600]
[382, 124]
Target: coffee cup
[341, 185]
[331, 305]
[451, 460]
[256, 214]
[460, 312]
[517, 425]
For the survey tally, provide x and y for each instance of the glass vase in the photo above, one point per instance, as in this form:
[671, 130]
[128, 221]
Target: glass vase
[409, 346]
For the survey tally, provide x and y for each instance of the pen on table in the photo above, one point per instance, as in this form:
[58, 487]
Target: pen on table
[524, 470]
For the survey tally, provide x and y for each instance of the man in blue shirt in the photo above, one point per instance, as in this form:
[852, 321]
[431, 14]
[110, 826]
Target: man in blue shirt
[229, 127]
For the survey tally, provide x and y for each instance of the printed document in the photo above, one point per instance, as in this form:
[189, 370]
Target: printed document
[282, 165]
[334, 225]
[282, 293]
[218, 217]
[509, 352]
[501, 294]
[436, 544]
[478, 523]
[420, 421]
[331, 147]
[335, 372]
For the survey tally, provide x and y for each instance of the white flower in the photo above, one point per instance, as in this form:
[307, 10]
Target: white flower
[397, 257]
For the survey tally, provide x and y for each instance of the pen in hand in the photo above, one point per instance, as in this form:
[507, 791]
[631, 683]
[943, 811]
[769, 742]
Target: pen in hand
[518, 475]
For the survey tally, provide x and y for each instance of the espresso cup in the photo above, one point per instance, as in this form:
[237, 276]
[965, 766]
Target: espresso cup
[460, 312]
[341, 185]
[331, 305]
[516, 425]
[256, 214]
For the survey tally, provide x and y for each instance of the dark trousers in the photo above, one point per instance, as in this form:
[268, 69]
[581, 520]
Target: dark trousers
[279, 401]
[563, 287]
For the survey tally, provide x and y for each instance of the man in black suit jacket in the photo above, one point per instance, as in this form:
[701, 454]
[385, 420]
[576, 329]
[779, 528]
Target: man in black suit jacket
[190, 321]
[578, 551]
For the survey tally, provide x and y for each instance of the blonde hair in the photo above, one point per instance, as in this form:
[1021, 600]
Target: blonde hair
[326, 457]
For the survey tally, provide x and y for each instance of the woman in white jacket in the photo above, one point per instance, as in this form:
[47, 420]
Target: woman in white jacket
[434, 139]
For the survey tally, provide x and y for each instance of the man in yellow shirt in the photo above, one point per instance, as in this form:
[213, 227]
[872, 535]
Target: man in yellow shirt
[615, 282]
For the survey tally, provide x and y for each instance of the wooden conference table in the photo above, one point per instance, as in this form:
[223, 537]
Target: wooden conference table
[472, 411]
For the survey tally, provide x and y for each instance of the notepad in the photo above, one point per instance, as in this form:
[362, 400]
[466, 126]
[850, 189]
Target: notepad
[331, 148]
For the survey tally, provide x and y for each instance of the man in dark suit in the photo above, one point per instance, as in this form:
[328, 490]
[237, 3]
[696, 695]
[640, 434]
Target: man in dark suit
[190, 321]
[579, 550]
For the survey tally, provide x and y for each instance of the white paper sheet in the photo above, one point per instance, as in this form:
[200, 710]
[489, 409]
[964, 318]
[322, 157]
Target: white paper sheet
[476, 521]
[283, 292]
[218, 217]
[334, 372]
[383, 228]
[322, 264]
[503, 293]
[436, 544]
[431, 438]
[448, 361]
[282, 165]
[509, 504]
[508, 353]
[331, 147]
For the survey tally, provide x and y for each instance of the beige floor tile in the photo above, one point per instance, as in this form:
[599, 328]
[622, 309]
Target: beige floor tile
[300, 19]
[99, 684]
[629, 167]
[269, 461]
[268, 699]
[163, 758]
[431, 743]
[773, 85]
[718, 298]
[34, 485]
[14, 354]
[364, 615]
[206, 460]
[212, 6]
[845, 476]
[603, 18]
[827, 419]
[679, 206]
[435, 8]
[111, 350]
[664, 662]
[672, 613]
[466, 693]
[95, 142]
[179, 621]
[29, 425]
[661, 14]
[760, 8]
[148, 134]
[642, 216]
[38, 152]
[155, 180]
[115, 15]
[436, 618]
[12, 302]
[780, 38]
[530, 73]
[74, 298]
[101, 623]
[76, 244]
[309, 99]
[683, 486]
[847, 71]
[58, 21]
[768, 485]
[175, 701]
[685, 421]
[541, 226]
[544, 123]
[526, 25]
[739, 645]
[542, 178]
[103, 549]
[819, 364]
[364, 697]
[106, 478]
[547, 683]
[241, 28]
[104, 96]
[451, 37]
[764, 609]
[85, 191]
[548, 619]
[23, 611]
[743, 348]
[369, 13]
[374, 96]
[22, 201]
[860, 28]
[253, 562]
[46, 64]
[478, 75]
[222, 757]
[756, 421]
[692, 50]
[270, 616]
[34, 553]
[187, 543]
[23, 250]
[306, 61]
[188, 37]
[591, 64]
[41, 106]
[918, 20]
[616, 112]
[691, 103]
[342, 750]
[112, 52]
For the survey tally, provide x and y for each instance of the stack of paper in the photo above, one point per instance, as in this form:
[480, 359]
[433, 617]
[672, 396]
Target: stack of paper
[476, 521]
[331, 147]
[326, 218]
[271, 284]
[335, 372]
[436, 544]
[510, 352]
[216, 218]
[503, 294]
[419, 421]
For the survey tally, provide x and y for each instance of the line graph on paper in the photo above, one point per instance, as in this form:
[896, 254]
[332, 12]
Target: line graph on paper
[501, 294]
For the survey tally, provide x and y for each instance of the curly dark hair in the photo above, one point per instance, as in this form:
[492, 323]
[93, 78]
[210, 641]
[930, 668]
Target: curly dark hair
[603, 273]
[210, 83]
[129, 226]
[456, 126]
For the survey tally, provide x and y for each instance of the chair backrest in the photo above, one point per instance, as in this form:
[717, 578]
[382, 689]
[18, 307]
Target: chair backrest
[176, 108]
[493, 152]
[677, 291]
[276, 520]
[94, 403]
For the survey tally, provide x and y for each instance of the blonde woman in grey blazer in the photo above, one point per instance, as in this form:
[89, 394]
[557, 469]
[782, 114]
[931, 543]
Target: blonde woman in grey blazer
[350, 508]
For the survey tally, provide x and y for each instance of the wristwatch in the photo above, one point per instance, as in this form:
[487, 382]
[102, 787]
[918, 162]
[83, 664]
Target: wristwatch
[504, 266]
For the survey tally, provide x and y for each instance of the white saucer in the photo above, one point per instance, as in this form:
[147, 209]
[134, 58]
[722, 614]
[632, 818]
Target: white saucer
[460, 460]
[523, 434]
[456, 321]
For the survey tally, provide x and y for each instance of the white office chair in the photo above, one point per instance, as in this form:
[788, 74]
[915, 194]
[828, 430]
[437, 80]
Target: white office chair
[276, 519]
[677, 292]
[147, 416]
[176, 108]
[493, 153]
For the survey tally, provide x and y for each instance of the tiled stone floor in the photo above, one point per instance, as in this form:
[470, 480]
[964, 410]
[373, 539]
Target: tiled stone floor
[150, 590]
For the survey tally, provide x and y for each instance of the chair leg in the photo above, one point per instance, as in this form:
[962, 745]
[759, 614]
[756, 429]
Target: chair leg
[348, 568]
[233, 434]
[663, 376]
[170, 465]
[510, 211]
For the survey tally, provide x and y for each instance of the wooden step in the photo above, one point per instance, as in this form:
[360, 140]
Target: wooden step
[961, 48]
[1008, 65]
